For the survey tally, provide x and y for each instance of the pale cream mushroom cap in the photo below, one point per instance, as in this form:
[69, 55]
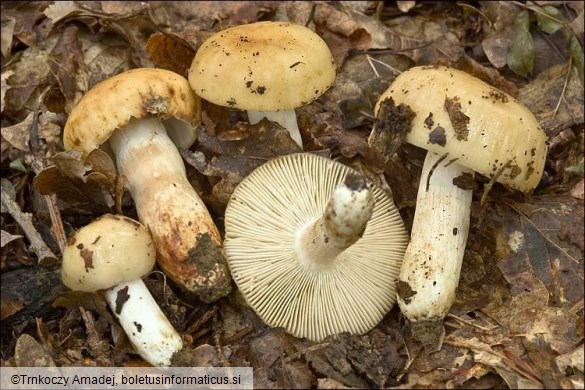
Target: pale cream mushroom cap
[137, 93]
[109, 251]
[265, 213]
[477, 124]
[263, 66]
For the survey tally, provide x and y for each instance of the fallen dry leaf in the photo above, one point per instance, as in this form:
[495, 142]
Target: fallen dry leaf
[547, 90]
[30, 353]
[174, 52]
[88, 184]
[19, 135]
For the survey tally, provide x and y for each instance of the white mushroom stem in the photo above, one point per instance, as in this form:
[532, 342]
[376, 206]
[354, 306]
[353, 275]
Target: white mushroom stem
[342, 224]
[148, 329]
[168, 205]
[430, 271]
[285, 118]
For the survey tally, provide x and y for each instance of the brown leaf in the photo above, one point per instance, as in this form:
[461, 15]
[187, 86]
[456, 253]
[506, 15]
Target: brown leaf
[547, 326]
[343, 24]
[30, 353]
[67, 64]
[29, 28]
[182, 16]
[32, 74]
[19, 135]
[87, 300]
[500, 28]
[5, 76]
[174, 52]
[8, 24]
[61, 9]
[545, 241]
[547, 90]
[85, 184]
[9, 306]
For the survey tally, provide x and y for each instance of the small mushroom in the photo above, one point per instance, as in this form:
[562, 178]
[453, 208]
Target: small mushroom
[313, 247]
[266, 68]
[144, 113]
[467, 126]
[112, 253]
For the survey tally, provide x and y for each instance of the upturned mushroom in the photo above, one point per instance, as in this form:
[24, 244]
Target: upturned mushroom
[313, 247]
[266, 68]
[143, 113]
[112, 253]
[467, 126]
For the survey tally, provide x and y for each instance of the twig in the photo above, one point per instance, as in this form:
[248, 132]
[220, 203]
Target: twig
[562, 97]
[45, 256]
[489, 185]
[56, 222]
[37, 166]
[311, 15]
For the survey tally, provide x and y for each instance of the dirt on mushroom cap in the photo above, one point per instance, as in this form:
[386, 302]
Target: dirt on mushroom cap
[268, 66]
[484, 128]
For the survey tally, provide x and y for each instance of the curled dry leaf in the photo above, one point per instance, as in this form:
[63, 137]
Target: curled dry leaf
[32, 73]
[19, 135]
[67, 64]
[3, 77]
[61, 9]
[88, 184]
[7, 24]
[29, 28]
[174, 52]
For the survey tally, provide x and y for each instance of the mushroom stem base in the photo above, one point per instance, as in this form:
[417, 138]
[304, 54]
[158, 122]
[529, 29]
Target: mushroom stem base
[147, 328]
[285, 118]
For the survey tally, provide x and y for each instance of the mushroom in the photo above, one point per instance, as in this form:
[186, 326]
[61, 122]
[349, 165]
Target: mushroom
[142, 112]
[314, 248]
[467, 126]
[112, 253]
[266, 68]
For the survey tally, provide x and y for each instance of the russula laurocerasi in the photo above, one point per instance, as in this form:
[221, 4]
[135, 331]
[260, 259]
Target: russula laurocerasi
[112, 253]
[266, 68]
[313, 247]
[467, 126]
[143, 113]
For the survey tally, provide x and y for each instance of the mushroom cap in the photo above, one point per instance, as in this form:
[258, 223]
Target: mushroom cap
[263, 66]
[477, 124]
[262, 218]
[136, 93]
[111, 250]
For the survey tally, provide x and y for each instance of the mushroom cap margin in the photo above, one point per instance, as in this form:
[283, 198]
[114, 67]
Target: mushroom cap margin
[137, 93]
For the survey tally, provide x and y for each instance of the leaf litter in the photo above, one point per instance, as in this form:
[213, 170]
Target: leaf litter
[518, 318]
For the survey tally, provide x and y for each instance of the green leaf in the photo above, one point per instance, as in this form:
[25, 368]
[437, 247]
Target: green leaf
[546, 23]
[521, 51]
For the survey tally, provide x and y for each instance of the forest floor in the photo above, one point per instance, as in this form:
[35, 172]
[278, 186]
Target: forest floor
[517, 321]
